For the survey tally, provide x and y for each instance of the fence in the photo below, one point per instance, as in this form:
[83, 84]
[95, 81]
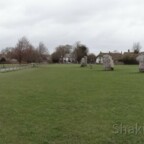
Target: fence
[15, 67]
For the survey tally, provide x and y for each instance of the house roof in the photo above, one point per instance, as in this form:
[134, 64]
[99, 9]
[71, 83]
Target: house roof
[130, 54]
[115, 56]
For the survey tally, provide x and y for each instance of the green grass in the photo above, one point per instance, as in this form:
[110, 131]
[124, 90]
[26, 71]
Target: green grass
[66, 104]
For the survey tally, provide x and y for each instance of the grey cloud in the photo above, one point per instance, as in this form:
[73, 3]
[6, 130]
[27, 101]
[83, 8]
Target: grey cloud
[100, 24]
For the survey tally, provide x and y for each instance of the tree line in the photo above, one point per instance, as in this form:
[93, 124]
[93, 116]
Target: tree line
[25, 52]
[76, 52]
[130, 57]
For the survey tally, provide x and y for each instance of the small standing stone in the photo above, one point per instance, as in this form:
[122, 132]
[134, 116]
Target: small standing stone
[140, 59]
[108, 62]
[84, 61]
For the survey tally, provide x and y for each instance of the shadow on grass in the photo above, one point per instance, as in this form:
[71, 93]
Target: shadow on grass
[105, 70]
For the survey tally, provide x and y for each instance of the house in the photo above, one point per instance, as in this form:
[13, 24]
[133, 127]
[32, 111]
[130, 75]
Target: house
[115, 56]
[99, 58]
[130, 57]
[68, 58]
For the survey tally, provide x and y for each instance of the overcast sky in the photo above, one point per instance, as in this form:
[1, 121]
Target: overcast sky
[102, 25]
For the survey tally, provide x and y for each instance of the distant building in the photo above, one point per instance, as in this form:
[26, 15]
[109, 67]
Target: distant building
[68, 58]
[115, 56]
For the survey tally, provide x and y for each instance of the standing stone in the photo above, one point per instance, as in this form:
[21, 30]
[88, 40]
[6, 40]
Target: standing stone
[84, 61]
[140, 59]
[108, 62]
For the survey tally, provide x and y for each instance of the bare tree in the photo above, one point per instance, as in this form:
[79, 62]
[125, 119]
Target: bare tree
[42, 52]
[24, 51]
[80, 51]
[21, 46]
[63, 49]
[60, 52]
[91, 58]
[30, 54]
[55, 57]
[42, 48]
[8, 52]
[136, 47]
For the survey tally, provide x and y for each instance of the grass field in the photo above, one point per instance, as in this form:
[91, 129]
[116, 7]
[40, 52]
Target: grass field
[66, 104]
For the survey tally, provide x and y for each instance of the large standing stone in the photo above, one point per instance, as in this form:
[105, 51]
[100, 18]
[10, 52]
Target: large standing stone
[108, 62]
[140, 59]
[84, 61]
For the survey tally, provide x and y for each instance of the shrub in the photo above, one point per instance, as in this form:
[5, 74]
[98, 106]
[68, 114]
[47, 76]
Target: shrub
[129, 59]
